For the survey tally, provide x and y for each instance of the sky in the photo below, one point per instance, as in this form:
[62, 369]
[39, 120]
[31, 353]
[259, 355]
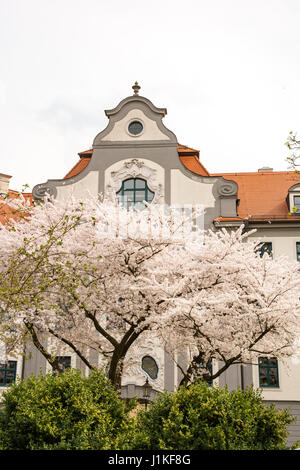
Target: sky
[226, 70]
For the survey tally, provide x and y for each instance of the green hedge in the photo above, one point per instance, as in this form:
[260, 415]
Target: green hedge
[203, 417]
[69, 411]
[65, 411]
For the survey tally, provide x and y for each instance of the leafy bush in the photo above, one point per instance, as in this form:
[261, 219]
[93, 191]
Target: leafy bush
[203, 417]
[65, 411]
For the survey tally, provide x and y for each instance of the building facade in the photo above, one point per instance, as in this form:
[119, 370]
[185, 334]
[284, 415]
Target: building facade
[137, 158]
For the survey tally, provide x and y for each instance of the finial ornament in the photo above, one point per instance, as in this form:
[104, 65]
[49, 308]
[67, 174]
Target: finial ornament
[136, 88]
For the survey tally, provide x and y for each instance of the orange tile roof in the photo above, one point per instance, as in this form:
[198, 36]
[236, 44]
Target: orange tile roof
[184, 149]
[87, 153]
[194, 165]
[262, 195]
[80, 165]
[6, 212]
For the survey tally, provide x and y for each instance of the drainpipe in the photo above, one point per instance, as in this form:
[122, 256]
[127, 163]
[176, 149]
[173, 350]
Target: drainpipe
[242, 377]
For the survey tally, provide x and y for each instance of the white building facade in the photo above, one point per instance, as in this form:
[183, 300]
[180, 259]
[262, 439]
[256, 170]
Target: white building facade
[138, 157]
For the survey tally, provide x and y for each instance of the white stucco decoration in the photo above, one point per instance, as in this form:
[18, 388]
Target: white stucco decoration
[134, 168]
[133, 372]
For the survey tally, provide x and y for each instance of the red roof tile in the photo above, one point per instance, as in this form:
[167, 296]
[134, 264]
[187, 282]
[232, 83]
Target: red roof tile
[193, 164]
[263, 195]
[80, 165]
[6, 212]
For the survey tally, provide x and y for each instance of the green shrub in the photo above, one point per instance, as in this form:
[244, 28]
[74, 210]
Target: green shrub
[203, 417]
[65, 411]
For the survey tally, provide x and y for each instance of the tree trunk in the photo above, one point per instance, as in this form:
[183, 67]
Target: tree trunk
[51, 359]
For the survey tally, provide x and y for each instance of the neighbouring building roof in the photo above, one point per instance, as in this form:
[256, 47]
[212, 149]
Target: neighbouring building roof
[6, 212]
[262, 195]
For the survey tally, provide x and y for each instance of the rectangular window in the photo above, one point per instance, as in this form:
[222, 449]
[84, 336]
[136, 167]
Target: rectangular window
[298, 251]
[8, 372]
[64, 361]
[265, 247]
[205, 370]
[297, 203]
[268, 372]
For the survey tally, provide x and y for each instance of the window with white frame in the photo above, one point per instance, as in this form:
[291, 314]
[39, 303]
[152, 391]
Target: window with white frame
[297, 203]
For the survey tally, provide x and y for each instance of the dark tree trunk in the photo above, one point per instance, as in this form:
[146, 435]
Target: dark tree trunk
[55, 364]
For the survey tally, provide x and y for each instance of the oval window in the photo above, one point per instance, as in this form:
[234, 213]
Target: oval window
[150, 367]
[135, 128]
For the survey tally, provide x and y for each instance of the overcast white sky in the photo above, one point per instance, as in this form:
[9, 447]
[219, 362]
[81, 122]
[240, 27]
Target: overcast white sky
[226, 70]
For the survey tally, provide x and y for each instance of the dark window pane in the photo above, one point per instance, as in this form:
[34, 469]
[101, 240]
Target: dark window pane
[129, 196]
[135, 127]
[133, 192]
[8, 372]
[10, 376]
[128, 184]
[263, 248]
[263, 360]
[140, 196]
[149, 365]
[298, 250]
[273, 376]
[140, 184]
[297, 200]
[263, 376]
[297, 203]
[205, 370]
[64, 361]
[268, 372]
[2, 376]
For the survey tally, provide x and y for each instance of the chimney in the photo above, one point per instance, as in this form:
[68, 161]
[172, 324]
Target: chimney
[265, 169]
[4, 183]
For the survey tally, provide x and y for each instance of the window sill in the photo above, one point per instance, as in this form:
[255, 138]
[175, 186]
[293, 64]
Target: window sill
[270, 389]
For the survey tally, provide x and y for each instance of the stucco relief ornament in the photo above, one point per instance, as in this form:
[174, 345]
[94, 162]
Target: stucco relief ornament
[227, 189]
[134, 169]
[133, 371]
[40, 191]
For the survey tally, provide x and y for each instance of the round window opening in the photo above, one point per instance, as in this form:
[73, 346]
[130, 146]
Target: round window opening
[149, 365]
[135, 128]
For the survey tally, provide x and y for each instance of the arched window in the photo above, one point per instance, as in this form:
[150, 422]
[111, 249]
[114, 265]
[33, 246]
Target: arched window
[133, 192]
[150, 367]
